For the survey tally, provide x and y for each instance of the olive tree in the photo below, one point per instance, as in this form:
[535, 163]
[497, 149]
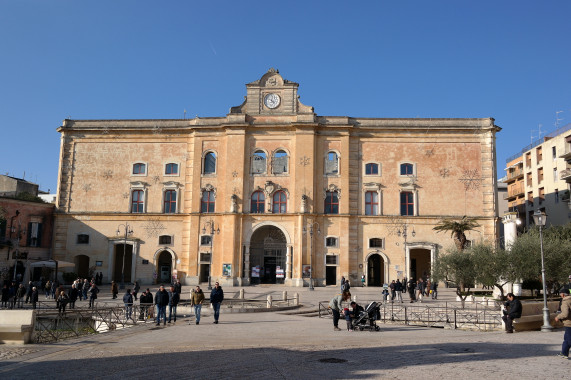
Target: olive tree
[459, 267]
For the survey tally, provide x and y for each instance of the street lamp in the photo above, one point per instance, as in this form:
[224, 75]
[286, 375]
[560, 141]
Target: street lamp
[211, 232]
[128, 231]
[404, 234]
[539, 217]
[311, 250]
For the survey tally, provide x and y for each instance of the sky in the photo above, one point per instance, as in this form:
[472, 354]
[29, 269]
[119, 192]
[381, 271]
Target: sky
[127, 59]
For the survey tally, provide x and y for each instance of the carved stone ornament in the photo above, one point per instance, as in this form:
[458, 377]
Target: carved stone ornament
[409, 182]
[332, 187]
[206, 188]
[372, 186]
[269, 188]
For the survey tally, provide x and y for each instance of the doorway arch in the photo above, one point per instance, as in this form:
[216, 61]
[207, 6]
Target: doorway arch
[268, 255]
[164, 266]
[377, 268]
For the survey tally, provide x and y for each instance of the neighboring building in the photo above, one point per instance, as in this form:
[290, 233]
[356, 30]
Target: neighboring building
[270, 189]
[26, 230]
[537, 178]
[503, 207]
[11, 186]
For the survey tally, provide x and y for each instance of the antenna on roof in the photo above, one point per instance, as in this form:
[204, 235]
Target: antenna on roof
[557, 119]
[184, 114]
[532, 136]
[539, 132]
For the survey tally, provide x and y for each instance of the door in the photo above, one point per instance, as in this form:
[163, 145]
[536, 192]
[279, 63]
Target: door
[330, 275]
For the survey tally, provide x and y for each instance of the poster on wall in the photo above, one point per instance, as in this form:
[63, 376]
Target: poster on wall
[279, 272]
[227, 270]
[256, 271]
[306, 271]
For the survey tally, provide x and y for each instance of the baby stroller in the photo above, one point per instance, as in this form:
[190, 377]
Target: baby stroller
[367, 319]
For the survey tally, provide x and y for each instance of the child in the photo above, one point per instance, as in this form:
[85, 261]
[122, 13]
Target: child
[385, 293]
[348, 319]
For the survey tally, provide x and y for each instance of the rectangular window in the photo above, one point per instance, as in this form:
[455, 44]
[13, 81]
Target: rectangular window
[331, 242]
[372, 169]
[539, 154]
[331, 203]
[139, 168]
[554, 152]
[371, 203]
[165, 239]
[331, 260]
[205, 240]
[138, 201]
[406, 203]
[555, 174]
[171, 169]
[530, 198]
[82, 239]
[528, 179]
[207, 202]
[528, 159]
[34, 234]
[539, 175]
[406, 169]
[376, 243]
[170, 202]
[541, 195]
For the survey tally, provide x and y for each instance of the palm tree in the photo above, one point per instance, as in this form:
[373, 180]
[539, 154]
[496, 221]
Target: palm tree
[457, 229]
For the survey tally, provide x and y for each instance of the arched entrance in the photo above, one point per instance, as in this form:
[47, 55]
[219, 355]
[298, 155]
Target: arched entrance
[376, 270]
[164, 267]
[268, 248]
[82, 265]
[122, 263]
[420, 263]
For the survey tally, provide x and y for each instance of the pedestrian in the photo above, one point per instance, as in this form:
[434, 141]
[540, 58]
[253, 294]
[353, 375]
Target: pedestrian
[29, 290]
[178, 286]
[34, 297]
[398, 290]
[363, 280]
[55, 286]
[411, 288]
[419, 290]
[85, 289]
[149, 302]
[404, 285]
[393, 290]
[93, 290]
[73, 294]
[62, 301]
[514, 311]
[5, 295]
[428, 284]
[342, 283]
[162, 300]
[565, 317]
[136, 288]
[336, 306]
[128, 301]
[47, 288]
[174, 298]
[20, 293]
[385, 293]
[434, 290]
[216, 298]
[12, 295]
[196, 300]
[114, 289]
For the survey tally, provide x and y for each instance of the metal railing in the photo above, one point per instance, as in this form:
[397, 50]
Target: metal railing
[450, 315]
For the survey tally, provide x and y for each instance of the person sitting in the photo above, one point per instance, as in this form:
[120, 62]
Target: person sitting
[352, 313]
[514, 307]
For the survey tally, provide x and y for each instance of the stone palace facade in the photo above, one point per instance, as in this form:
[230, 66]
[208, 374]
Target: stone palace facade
[270, 193]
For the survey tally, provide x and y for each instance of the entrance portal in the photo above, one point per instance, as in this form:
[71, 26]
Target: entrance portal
[164, 267]
[122, 260]
[268, 254]
[331, 275]
[82, 266]
[375, 266]
[420, 263]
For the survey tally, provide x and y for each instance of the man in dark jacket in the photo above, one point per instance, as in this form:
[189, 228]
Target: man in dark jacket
[216, 298]
[162, 300]
[29, 290]
[178, 286]
[514, 311]
[128, 301]
[34, 297]
[174, 298]
[73, 294]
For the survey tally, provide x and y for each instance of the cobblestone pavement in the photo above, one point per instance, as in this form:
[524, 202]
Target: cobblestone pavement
[279, 346]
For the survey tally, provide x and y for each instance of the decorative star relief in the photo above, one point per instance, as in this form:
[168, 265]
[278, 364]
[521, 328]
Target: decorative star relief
[107, 174]
[153, 228]
[86, 187]
[471, 179]
[444, 172]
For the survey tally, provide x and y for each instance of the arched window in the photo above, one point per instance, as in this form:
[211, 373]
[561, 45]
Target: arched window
[170, 202]
[372, 169]
[259, 162]
[406, 169]
[138, 201]
[406, 203]
[207, 202]
[280, 162]
[371, 203]
[280, 203]
[209, 163]
[332, 163]
[331, 202]
[258, 202]
[171, 169]
[139, 168]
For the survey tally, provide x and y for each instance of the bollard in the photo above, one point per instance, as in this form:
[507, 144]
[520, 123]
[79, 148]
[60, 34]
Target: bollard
[355, 298]
[296, 299]
[269, 302]
[284, 295]
[241, 296]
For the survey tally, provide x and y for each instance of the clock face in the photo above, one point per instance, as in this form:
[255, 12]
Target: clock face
[272, 100]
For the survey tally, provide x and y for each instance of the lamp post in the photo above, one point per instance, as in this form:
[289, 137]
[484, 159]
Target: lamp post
[128, 231]
[540, 218]
[211, 232]
[404, 234]
[311, 250]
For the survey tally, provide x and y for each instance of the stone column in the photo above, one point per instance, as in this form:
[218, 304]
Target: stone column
[288, 262]
[246, 274]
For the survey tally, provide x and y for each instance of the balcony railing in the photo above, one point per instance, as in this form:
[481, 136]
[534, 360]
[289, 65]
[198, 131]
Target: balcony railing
[515, 174]
[565, 174]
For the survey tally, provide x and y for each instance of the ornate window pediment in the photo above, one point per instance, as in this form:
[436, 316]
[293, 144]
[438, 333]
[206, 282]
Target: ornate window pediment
[332, 188]
[270, 188]
[139, 185]
[372, 186]
[409, 183]
[207, 188]
[172, 185]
